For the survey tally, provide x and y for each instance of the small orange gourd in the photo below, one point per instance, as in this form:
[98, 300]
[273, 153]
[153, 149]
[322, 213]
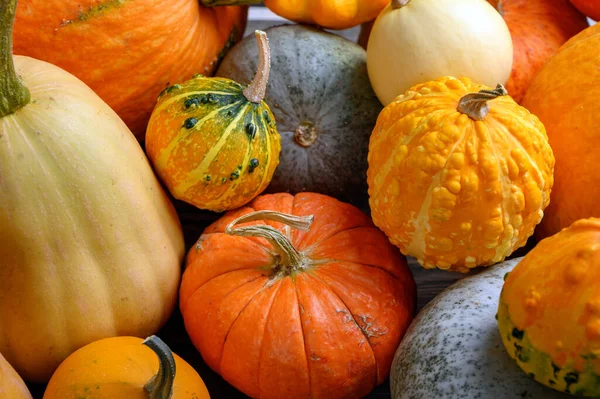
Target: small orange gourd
[125, 368]
[11, 384]
[458, 177]
[549, 311]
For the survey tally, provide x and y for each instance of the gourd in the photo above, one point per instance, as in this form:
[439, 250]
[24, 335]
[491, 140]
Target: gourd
[564, 95]
[331, 14]
[90, 244]
[128, 51]
[459, 175]
[538, 29]
[415, 41]
[12, 385]
[309, 300]
[325, 109]
[126, 368]
[549, 311]
[213, 142]
[453, 348]
[591, 8]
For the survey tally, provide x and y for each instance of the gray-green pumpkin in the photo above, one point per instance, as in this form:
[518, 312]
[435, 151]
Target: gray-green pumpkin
[453, 348]
[321, 96]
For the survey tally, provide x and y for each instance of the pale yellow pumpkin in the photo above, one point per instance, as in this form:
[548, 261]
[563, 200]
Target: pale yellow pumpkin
[11, 384]
[415, 41]
[90, 245]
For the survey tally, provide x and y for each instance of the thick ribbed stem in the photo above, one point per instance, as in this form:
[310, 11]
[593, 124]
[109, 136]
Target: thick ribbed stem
[396, 4]
[255, 92]
[475, 105]
[290, 258]
[161, 384]
[13, 93]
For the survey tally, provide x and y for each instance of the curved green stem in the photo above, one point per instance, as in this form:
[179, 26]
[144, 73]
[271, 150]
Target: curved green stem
[13, 93]
[161, 384]
[290, 258]
[256, 91]
[475, 105]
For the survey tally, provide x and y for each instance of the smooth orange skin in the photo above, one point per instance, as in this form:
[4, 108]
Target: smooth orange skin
[118, 368]
[454, 192]
[553, 294]
[538, 29]
[12, 385]
[331, 14]
[130, 50]
[591, 8]
[302, 336]
[564, 95]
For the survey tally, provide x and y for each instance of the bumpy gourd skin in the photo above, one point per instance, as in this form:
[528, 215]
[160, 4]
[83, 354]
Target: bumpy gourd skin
[549, 313]
[333, 14]
[453, 192]
[211, 146]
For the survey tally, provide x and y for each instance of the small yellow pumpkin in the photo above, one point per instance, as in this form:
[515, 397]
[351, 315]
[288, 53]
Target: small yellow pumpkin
[458, 177]
[213, 142]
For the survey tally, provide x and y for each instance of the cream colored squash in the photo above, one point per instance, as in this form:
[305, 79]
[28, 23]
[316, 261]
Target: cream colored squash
[90, 245]
[415, 41]
[11, 384]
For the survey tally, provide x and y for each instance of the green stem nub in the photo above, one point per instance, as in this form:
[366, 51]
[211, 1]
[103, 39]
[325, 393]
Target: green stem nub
[161, 384]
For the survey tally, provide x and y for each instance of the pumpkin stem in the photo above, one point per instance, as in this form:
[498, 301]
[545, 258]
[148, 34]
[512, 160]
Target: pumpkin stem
[396, 4]
[13, 93]
[255, 92]
[161, 384]
[290, 259]
[475, 105]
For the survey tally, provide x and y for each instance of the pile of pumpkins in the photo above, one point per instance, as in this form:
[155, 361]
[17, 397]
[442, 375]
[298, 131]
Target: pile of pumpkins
[452, 133]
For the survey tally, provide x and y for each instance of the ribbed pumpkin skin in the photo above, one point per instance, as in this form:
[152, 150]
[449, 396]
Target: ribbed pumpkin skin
[549, 312]
[453, 192]
[90, 245]
[591, 8]
[564, 95]
[11, 384]
[127, 51]
[538, 29]
[220, 162]
[329, 330]
[118, 368]
[332, 14]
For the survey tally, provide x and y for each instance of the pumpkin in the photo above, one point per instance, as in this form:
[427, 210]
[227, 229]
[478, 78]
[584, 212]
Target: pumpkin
[415, 41]
[324, 106]
[564, 95]
[128, 51]
[331, 14]
[534, 43]
[312, 302]
[12, 385]
[213, 142]
[125, 368]
[458, 176]
[90, 244]
[591, 8]
[549, 311]
[453, 348]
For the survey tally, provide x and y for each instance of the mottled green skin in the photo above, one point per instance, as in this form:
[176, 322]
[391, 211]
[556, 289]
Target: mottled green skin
[539, 365]
[320, 78]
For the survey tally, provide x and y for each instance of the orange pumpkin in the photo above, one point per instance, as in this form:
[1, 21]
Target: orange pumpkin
[556, 21]
[125, 368]
[128, 51]
[591, 8]
[564, 95]
[458, 177]
[11, 384]
[287, 309]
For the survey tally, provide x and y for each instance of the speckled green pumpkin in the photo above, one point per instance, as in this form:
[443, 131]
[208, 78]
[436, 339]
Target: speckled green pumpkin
[325, 108]
[211, 144]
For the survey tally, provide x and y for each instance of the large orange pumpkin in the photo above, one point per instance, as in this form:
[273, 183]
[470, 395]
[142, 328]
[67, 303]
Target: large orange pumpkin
[564, 95]
[591, 8]
[533, 43]
[11, 384]
[128, 51]
[294, 310]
